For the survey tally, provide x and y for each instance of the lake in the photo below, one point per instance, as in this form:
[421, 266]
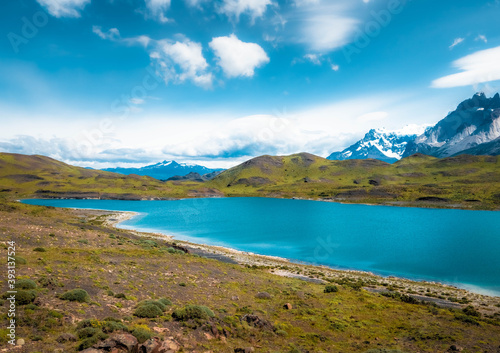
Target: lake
[457, 247]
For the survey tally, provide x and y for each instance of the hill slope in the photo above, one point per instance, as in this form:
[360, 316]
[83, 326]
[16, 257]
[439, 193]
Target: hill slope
[465, 180]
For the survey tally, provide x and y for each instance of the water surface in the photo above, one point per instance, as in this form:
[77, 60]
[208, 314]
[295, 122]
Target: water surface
[452, 246]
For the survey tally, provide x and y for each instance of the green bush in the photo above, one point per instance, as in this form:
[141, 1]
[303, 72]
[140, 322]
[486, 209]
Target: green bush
[331, 289]
[142, 334]
[87, 332]
[40, 249]
[86, 323]
[49, 282]
[87, 343]
[193, 312]
[111, 326]
[20, 260]
[76, 295]
[120, 296]
[148, 311]
[165, 301]
[471, 311]
[158, 303]
[26, 284]
[23, 297]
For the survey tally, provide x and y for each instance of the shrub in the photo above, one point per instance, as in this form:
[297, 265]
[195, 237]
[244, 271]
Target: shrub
[38, 249]
[193, 312]
[331, 289]
[49, 282]
[26, 284]
[87, 332]
[165, 301]
[182, 284]
[87, 323]
[141, 334]
[111, 326]
[120, 296]
[471, 311]
[83, 241]
[158, 303]
[87, 343]
[20, 260]
[148, 311]
[24, 297]
[76, 295]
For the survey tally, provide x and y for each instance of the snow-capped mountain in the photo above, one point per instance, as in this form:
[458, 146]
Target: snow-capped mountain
[474, 123]
[165, 170]
[387, 146]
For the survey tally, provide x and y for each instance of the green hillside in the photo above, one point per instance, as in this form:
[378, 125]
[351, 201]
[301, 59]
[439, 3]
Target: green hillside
[468, 181]
[419, 180]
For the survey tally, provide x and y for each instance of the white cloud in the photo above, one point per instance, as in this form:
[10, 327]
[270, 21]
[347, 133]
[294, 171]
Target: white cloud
[314, 58]
[157, 9]
[111, 34]
[323, 28]
[482, 38]
[456, 42]
[237, 58]
[480, 67]
[195, 3]
[254, 8]
[182, 61]
[64, 8]
[335, 67]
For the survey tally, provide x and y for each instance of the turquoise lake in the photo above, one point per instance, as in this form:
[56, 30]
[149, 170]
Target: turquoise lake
[451, 246]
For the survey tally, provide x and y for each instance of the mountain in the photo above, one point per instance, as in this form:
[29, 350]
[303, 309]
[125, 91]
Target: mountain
[387, 146]
[196, 176]
[472, 128]
[165, 170]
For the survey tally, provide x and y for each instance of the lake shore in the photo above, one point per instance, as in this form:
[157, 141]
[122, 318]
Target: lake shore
[441, 294]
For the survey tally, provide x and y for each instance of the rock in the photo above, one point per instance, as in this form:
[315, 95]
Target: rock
[235, 297]
[125, 340]
[263, 295]
[58, 350]
[160, 329]
[20, 342]
[169, 346]
[91, 350]
[106, 344]
[152, 345]
[244, 350]
[288, 306]
[255, 321]
[208, 336]
[66, 337]
[454, 348]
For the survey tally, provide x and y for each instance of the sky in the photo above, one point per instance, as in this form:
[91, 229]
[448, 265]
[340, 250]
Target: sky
[103, 83]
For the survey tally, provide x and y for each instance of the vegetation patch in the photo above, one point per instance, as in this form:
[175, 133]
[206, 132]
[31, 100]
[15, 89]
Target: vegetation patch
[76, 295]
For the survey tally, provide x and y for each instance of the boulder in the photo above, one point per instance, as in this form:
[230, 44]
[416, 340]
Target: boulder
[288, 306]
[66, 337]
[169, 346]
[152, 345]
[91, 350]
[125, 340]
[255, 321]
[263, 295]
[244, 350]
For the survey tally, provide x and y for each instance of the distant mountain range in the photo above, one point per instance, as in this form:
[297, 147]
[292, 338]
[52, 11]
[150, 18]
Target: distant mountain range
[473, 128]
[170, 169]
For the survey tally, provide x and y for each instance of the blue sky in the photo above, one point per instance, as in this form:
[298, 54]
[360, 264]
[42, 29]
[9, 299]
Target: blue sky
[117, 82]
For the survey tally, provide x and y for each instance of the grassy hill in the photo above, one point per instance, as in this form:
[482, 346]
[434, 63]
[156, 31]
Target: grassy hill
[467, 181]
[419, 180]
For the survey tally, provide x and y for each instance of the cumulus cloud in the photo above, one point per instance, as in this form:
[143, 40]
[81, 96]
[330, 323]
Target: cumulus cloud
[64, 8]
[237, 58]
[253, 8]
[158, 8]
[181, 61]
[456, 42]
[111, 34]
[480, 67]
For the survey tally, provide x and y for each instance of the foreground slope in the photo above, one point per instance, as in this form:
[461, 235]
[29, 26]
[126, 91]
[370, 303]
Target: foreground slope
[251, 308]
